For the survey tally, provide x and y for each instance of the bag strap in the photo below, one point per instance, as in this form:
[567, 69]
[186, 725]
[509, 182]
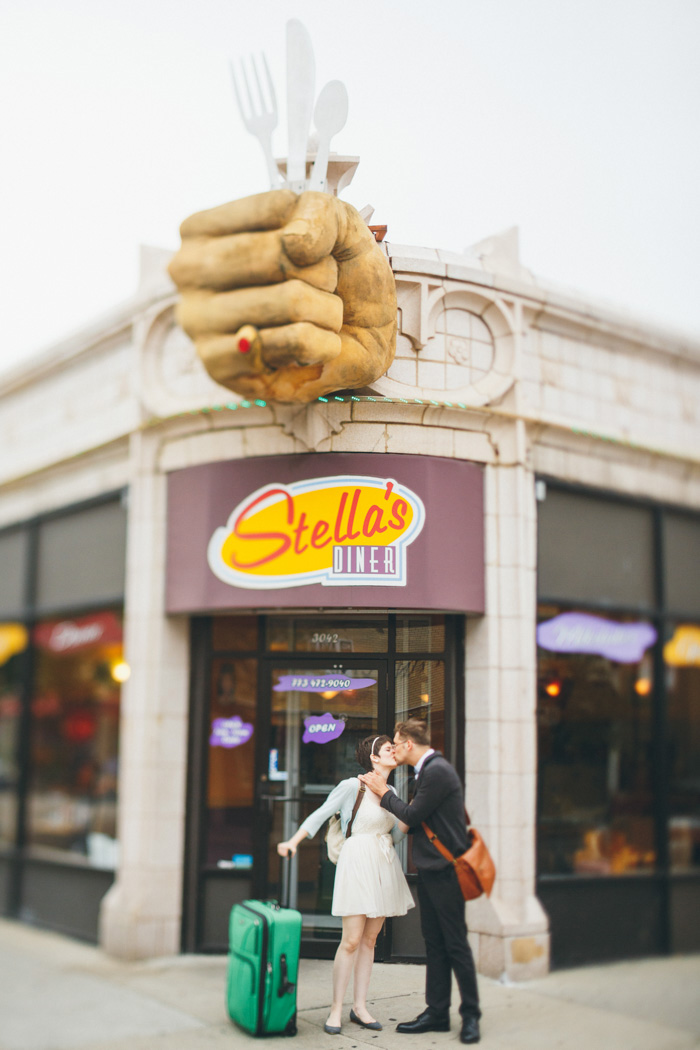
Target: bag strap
[355, 808]
[436, 841]
[438, 845]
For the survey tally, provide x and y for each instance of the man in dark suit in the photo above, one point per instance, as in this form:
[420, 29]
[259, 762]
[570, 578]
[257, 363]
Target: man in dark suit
[439, 801]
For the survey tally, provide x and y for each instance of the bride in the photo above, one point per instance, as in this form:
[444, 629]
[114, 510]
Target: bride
[369, 882]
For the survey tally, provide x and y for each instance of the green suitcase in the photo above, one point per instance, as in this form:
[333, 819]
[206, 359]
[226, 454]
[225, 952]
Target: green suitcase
[263, 967]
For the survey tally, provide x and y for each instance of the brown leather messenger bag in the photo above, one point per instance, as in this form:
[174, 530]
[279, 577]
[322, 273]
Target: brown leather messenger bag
[475, 868]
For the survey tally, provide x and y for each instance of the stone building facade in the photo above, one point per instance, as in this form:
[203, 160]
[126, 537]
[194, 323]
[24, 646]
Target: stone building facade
[542, 390]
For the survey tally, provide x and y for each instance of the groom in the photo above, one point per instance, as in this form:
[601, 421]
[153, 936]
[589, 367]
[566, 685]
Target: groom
[439, 801]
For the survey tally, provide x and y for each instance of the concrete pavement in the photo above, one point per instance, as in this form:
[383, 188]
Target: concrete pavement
[58, 994]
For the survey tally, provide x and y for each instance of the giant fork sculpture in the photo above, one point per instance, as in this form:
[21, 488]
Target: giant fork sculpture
[260, 118]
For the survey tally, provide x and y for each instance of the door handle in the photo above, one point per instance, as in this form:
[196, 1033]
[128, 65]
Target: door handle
[267, 802]
[280, 798]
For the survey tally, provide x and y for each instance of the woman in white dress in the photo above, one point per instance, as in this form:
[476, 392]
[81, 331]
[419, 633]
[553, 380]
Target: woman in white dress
[369, 881]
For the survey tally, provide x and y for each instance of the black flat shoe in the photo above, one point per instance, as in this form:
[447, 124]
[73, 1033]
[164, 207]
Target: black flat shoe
[428, 1021]
[470, 1031]
[331, 1029]
[374, 1025]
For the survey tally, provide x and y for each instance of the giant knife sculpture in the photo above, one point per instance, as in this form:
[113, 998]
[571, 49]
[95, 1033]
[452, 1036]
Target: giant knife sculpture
[286, 294]
[257, 103]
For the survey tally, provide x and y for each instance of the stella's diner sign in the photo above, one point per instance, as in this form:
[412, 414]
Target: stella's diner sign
[347, 530]
[326, 530]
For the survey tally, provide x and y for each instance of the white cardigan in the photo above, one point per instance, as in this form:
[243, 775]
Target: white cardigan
[341, 800]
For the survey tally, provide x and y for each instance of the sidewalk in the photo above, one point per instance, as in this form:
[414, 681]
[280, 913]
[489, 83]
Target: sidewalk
[57, 994]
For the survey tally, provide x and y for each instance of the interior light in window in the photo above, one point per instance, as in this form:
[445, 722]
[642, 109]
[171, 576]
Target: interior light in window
[553, 688]
[120, 671]
[642, 686]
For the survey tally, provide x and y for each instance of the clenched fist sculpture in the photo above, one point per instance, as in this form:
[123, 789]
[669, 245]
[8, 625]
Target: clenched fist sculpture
[287, 297]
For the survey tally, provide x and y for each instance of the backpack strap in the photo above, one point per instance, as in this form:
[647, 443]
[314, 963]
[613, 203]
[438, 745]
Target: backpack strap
[355, 808]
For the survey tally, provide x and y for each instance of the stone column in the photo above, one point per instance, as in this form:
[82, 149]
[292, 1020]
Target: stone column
[509, 930]
[141, 914]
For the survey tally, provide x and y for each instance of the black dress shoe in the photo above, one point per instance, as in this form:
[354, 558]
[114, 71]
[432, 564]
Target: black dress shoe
[470, 1031]
[428, 1021]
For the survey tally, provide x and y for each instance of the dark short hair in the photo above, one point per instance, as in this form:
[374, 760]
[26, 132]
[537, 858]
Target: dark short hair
[370, 746]
[414, 729]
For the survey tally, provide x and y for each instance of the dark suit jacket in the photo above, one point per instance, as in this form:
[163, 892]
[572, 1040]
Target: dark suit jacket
[439, 801]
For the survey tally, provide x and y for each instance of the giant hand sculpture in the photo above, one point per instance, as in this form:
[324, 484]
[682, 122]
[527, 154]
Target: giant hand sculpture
[287, 297]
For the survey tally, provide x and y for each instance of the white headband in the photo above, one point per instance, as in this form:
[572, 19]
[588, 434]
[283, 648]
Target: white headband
[371, 750]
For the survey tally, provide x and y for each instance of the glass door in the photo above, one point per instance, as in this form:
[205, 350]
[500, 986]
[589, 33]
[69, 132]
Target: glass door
[279, 704]
[318, 713]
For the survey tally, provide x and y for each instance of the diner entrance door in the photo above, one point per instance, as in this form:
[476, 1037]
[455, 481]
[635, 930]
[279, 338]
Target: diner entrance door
[318, 712]
[279, 704]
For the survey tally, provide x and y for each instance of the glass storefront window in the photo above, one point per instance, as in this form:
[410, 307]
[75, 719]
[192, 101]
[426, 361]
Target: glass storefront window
[595, 692]
[420, 634]
[13, 641]
[13, 559]
[234, 634]
[230, 813]
[681, 552]
[594, 549]
[81, 557]
[324, 634]
[420, 693]
[74, 737]
[682, 660]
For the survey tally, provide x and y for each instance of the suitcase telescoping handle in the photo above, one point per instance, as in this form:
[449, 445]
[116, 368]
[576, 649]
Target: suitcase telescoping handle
[285, 985]
[285, 880]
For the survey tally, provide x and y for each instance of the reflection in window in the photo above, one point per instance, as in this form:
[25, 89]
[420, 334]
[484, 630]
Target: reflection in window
[13, 640]
[682, 659]
[231, 762]
[74, 737]
[420, 693]
[594, 750]
[420, 634]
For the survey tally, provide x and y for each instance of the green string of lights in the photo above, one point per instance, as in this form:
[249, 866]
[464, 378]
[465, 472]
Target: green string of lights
[259, 403]
[233, 406]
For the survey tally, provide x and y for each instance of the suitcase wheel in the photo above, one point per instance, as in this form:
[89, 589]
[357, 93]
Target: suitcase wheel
[291, 1028]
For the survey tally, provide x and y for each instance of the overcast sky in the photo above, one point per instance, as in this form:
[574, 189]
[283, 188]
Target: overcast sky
[576, 120]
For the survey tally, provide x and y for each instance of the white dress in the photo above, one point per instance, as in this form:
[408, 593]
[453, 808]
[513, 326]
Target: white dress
[368, 878]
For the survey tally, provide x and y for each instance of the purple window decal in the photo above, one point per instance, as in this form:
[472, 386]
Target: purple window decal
[321, 729]
[230, 732]
[625, 643]
[319, 683]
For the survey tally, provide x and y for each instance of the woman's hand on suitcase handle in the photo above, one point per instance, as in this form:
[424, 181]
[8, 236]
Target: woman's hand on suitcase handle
[290, 847]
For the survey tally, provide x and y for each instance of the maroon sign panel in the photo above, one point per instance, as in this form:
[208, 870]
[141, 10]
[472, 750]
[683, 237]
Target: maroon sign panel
[326, 531]
[69, 636]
